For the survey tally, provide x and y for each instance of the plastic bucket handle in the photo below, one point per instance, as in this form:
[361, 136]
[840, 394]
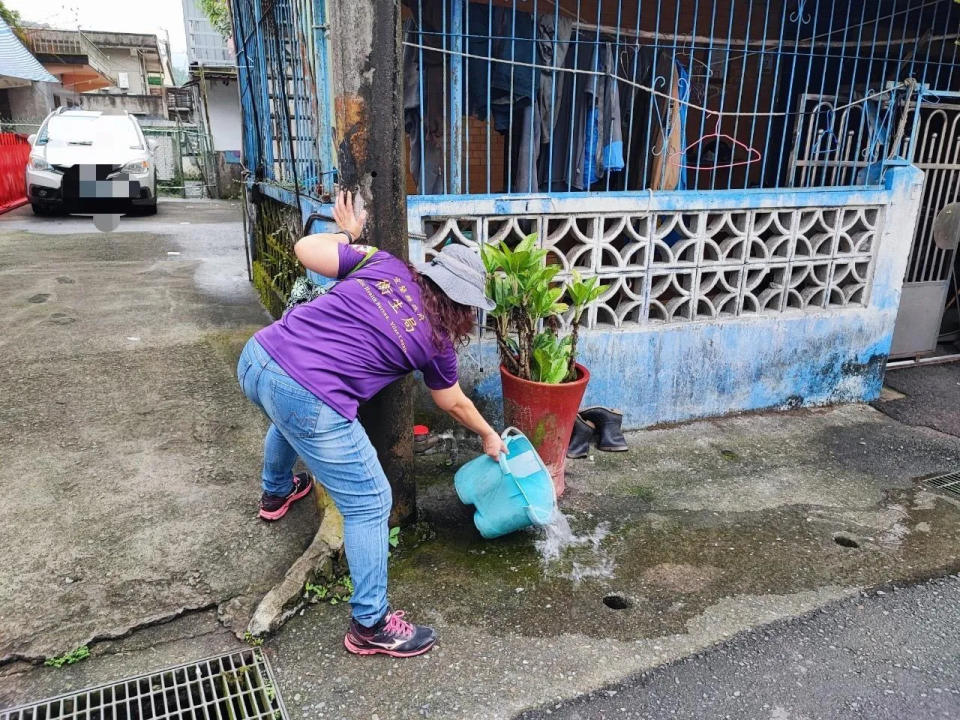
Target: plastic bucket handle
[512, 431]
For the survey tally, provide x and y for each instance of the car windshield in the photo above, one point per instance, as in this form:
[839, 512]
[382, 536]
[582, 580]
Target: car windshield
[117, 131]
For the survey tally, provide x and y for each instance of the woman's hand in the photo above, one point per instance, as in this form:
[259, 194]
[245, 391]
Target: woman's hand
[347, 217]
[493, 445]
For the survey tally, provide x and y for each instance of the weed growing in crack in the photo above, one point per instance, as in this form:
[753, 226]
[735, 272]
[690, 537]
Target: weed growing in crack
[336, 592]
[68, 658]
[252, 640]
[341, 588]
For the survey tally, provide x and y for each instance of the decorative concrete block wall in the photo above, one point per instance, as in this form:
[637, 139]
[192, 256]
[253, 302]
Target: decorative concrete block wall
[718, 302]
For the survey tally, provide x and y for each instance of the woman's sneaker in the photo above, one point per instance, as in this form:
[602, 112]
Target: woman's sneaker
[273, 507]
[391, 636]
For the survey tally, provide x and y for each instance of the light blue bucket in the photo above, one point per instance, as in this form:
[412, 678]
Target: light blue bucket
[511, 494]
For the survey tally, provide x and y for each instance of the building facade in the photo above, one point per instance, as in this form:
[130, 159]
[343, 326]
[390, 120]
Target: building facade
[213, 73]
[94, 71]
[742, 176]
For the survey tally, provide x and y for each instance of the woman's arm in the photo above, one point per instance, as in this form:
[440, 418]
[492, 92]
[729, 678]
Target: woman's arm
[458, 406]
[319, 252]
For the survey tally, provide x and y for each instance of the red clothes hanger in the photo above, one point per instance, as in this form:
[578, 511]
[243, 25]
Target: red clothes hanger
[676, 158]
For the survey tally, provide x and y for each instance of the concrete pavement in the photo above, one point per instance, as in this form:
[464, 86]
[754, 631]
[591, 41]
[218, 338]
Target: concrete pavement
[128, 457]
[121, 397]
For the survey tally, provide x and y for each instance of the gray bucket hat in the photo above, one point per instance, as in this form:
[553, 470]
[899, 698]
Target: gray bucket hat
[459, 272]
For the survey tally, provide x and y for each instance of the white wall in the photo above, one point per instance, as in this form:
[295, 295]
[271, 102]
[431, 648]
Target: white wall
[122, 61]
[31, 103]
[224, 109]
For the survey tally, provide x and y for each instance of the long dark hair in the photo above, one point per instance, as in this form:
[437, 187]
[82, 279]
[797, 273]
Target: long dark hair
[450, 322]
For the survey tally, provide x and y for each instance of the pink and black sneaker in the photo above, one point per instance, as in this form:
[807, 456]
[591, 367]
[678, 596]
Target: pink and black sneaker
[273, 507]
[392, 636]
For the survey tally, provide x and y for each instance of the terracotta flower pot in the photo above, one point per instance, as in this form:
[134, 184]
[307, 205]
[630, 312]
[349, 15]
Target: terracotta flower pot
[545, 412]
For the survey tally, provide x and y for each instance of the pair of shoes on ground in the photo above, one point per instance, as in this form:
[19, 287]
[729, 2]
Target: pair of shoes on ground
[597, 424]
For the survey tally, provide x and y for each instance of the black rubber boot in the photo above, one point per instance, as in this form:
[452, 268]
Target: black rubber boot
[580, 439]
[609, 424]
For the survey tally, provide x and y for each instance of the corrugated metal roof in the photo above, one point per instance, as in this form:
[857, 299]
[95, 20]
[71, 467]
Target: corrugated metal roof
[16, 61]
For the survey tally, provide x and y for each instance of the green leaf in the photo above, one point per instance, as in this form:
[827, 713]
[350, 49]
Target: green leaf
[218, 12]
[551, 357]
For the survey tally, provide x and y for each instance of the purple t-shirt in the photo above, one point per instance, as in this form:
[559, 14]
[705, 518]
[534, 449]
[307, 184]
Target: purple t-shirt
[367, 331]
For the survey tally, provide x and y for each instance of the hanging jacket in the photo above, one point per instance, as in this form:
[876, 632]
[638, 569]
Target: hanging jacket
[602, 143]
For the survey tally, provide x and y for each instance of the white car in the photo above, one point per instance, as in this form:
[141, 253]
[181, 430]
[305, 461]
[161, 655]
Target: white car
[89, 161]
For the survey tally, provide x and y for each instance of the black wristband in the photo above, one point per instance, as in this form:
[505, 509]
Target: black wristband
[350, 238]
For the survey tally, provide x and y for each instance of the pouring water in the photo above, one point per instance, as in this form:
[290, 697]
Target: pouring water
[559, 544]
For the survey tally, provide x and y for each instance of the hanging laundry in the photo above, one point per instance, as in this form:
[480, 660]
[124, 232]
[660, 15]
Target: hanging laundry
[502, 34]
[423, 125]
[528, 150]
[602, 133]
[666, 175]
[505, 92]
[553, 41]
[556, 167]
[610, 124]
[637, 108]
[683, 93]
[575, 158]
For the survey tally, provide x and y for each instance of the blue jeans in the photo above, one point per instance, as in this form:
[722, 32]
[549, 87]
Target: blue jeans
[339, 454]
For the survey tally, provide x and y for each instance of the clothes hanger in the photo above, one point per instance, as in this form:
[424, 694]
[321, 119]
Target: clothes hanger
[800, 15]
[828, 135]
[676, 158]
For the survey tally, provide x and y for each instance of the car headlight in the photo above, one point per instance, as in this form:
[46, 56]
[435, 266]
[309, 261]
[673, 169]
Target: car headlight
[38, 163]
[137, 167]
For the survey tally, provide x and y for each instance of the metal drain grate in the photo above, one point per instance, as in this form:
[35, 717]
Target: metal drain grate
[949, 483]
[238, 686]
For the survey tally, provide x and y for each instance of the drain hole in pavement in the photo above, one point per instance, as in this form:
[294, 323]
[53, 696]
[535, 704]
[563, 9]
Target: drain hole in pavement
[845, 541]
[616, 602]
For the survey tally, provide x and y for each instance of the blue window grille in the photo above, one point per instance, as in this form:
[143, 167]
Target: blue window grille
[537, 96]
[282, 72]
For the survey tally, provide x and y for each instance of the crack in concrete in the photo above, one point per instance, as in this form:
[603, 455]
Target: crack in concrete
[124, 632]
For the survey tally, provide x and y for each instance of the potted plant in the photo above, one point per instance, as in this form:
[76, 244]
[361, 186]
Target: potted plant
[542, 382]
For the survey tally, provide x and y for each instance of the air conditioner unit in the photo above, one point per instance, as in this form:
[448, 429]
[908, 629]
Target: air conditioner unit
[123, 80]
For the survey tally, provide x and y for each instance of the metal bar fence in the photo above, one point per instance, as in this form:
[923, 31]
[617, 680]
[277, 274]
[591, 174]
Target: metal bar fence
[670, 95]
[282, 67]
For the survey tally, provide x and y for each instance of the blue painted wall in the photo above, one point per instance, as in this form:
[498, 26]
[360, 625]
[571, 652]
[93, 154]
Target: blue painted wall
[670, 373]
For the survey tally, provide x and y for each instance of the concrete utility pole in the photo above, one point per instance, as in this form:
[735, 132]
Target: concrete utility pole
[367, 85]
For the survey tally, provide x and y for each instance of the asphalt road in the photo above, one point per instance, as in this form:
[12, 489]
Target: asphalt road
[889, 654]
[932, 395]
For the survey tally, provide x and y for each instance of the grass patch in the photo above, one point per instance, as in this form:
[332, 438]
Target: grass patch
[643, 492]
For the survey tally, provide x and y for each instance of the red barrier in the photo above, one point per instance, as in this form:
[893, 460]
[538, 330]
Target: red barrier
[14, 153]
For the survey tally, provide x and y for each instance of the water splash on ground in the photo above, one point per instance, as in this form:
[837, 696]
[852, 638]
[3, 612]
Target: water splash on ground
[574, 556]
